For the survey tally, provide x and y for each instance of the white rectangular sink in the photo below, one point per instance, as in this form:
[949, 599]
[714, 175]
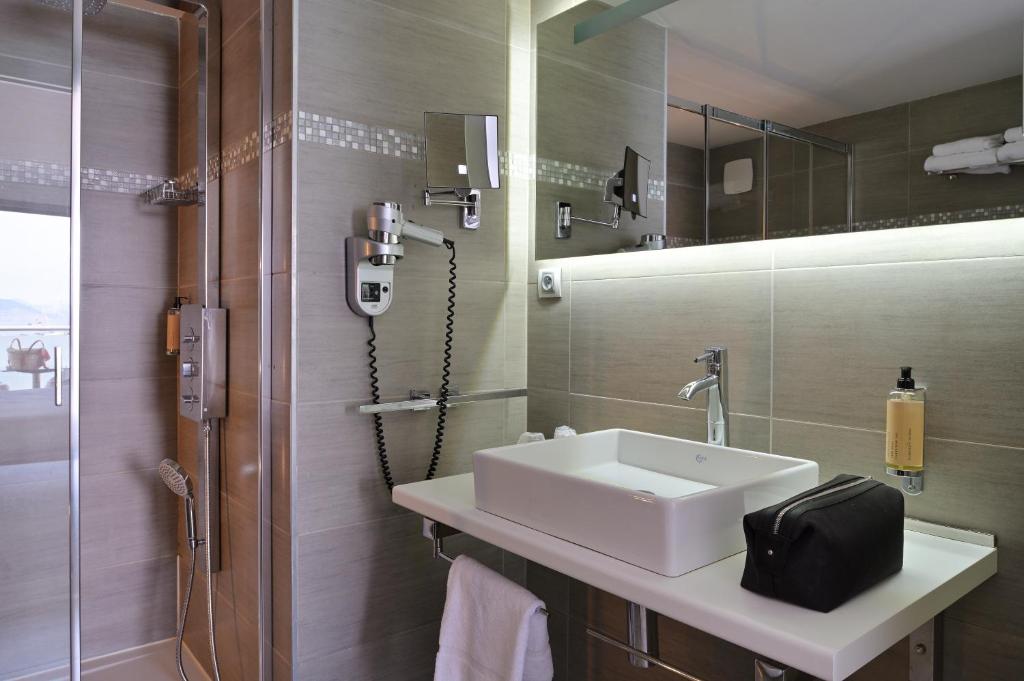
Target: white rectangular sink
[660, 503]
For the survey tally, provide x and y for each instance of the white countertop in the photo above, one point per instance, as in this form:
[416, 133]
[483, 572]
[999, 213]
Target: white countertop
[936, 573]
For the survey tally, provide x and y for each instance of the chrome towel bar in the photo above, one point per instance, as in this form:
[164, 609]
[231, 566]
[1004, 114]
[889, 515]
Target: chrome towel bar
[427, 402]
[436, 532]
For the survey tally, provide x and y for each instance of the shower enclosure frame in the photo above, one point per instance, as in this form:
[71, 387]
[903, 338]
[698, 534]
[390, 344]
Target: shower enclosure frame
[207, 14]
[766, 129]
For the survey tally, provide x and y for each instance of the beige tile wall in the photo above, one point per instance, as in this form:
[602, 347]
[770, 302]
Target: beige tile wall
[816, 329]
[366, 595]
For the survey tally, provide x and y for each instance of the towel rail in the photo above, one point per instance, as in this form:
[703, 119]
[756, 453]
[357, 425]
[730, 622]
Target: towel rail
[423, 402]
[436, 532]
[636, 652]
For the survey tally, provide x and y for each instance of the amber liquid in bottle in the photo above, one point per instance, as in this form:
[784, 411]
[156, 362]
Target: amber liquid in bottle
[904, 426]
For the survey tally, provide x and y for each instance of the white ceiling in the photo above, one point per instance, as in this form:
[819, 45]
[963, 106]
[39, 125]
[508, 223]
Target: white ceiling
[801, 62]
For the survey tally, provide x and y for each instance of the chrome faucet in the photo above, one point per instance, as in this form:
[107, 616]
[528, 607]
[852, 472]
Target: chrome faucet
[713, 384]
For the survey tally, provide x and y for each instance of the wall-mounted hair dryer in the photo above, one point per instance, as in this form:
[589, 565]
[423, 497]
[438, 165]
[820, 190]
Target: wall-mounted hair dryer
[371, 260]
[370, 288]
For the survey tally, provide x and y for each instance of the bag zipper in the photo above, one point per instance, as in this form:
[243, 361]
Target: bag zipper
[817, 495]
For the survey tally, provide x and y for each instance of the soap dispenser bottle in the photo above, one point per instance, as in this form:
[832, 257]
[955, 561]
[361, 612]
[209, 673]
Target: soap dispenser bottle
[904, 433]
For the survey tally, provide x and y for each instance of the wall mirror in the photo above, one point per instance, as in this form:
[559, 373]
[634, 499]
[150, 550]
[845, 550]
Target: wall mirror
[778, 118]
[461, 151]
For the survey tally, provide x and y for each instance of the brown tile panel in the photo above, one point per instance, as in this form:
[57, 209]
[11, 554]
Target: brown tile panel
[979, 110]
[240, 83]
[238, 580]
[281, 598]
[240, 449]
[882, 188]
[937, 193]
[240, 222]
[234, 14]
[281, 337]
[980, 653]
[281, 219]
[241, 298]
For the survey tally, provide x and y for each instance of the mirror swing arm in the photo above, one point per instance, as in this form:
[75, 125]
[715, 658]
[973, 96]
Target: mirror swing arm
[468, 202]
[565, 218]
[626, 189]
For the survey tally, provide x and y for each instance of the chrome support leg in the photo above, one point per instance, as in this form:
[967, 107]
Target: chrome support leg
[925, 654]
[770, 671]
[642, 628]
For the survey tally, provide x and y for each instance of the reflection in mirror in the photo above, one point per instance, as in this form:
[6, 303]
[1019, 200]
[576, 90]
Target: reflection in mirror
[593, 100]
[462, 151]
[848, 129]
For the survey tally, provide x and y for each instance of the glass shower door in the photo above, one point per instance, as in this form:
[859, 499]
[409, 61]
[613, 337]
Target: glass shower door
[35, 235]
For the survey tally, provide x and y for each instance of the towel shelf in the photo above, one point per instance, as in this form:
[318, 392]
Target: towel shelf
[436, 532]
[422, 401]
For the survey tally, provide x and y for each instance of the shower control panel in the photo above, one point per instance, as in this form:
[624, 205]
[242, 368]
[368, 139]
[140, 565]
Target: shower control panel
[202, 381]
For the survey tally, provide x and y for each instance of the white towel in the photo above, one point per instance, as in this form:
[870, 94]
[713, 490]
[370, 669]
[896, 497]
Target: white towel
[1014, 135]
[974, 159]
[1011, 153]
[492, 629]
[1001, 169]
[968, 145]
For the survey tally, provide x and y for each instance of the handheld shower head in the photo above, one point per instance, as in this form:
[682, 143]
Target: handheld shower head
[177, 480]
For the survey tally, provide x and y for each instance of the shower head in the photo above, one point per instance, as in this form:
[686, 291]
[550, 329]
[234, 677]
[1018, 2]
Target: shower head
[176, 478]
[91, 7]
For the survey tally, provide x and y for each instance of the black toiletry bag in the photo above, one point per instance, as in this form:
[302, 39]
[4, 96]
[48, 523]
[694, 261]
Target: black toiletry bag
[824, 546]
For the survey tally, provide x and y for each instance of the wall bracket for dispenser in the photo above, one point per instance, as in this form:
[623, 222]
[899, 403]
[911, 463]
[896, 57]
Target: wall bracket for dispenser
[468, 202]
[912, 482]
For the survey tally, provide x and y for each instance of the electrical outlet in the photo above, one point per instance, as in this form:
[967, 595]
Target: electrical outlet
[549, 282]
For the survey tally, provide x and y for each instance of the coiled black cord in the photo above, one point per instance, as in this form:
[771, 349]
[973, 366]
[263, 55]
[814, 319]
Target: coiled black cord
[378, 422]
[446, 365]
[442, 401]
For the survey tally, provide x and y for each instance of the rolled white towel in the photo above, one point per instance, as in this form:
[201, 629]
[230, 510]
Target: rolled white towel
[1011, 153]
[974, 159]
[1014, 135]
[968, 145]
[1001, 169]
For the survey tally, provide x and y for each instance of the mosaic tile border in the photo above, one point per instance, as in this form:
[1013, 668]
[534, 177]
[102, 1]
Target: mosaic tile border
[59, 175]
[343, 133]
[39, 173]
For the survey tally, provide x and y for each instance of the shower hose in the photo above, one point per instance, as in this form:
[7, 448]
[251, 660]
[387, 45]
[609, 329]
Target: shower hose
[442, 400]
[201, 543]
